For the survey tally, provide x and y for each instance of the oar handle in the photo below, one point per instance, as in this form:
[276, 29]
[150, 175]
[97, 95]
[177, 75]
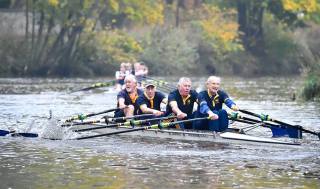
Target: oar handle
[236, 116]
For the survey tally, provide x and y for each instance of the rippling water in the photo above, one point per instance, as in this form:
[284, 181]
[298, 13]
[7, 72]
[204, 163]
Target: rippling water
[126, 162]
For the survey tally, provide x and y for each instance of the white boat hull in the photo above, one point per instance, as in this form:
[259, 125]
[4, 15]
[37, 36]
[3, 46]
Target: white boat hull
[226, 137]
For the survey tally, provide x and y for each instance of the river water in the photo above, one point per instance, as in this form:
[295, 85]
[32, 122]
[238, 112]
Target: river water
[127, 162]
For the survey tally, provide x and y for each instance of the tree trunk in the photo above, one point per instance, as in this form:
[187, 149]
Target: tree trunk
[27, 20]
[250, 20]
[178, 13]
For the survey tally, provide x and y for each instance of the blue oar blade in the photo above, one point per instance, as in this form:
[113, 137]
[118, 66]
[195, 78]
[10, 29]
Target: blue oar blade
[4, 132]
[30, 135]
[286, 132]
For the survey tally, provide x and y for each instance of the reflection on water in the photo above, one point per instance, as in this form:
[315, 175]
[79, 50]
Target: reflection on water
[126, 162]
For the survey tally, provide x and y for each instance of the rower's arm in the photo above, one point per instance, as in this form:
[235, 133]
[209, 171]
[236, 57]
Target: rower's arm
[144, 108]
[121, 103]
[175, 108]
[231, 104]
[164, 101]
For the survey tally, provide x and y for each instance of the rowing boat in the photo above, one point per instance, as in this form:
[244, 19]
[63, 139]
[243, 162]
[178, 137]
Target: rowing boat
[195, 135]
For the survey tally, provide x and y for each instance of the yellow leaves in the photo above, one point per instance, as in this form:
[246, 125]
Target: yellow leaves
[139, 11]
[114, 5]
[308, 6]
[290, 5]
[155, 15]
[117, 45]
[219, 30]
[53, 3]
[88, 24]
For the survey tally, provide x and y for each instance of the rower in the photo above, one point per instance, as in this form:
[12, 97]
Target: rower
[182, 100]
[210, 105]
[150, 101]
[120, 75]
[140, 71]
[127, 98]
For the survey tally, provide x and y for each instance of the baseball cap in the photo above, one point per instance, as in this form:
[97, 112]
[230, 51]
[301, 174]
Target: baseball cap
[149, 83]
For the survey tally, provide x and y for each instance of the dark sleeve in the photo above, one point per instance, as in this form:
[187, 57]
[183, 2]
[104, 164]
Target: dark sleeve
[194, 95]
[161, 96]
[171, 98]
[140, 101]
[121, 94]
[223, 95]
[204, 108]
[201, 98]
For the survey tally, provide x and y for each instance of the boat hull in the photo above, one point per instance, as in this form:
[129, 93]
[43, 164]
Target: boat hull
[177, 134]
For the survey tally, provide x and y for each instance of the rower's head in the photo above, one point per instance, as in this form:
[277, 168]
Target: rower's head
[123, 67]
[128, 66]
[184, 86]
[136, 66]
[213, 84]
[150, 89]
[130, 83]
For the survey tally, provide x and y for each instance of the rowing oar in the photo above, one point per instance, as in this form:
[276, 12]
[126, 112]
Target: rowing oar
[105, 119]
[14, 133]
[256, 123]
[97, 85]
[127, 124]
[236, 117]
[155, 126]
[84, 116]
[267, 118]
[117, 119]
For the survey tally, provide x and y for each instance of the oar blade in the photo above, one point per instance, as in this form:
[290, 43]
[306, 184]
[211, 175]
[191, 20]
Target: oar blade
[4, 132]
[97, 85]
[286, 132]
[29, 135]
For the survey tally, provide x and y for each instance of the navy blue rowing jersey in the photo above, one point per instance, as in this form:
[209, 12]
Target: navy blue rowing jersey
[130, 100]
[214, 102]
[185, 105]
[151, 103]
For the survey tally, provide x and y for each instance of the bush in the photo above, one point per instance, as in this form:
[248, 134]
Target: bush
[170, 52]
[311, 88]
[282, 56]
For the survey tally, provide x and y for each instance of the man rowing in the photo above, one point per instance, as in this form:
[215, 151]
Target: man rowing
[181, 101]
[210, 105]
[150, 101]
[127, 98]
